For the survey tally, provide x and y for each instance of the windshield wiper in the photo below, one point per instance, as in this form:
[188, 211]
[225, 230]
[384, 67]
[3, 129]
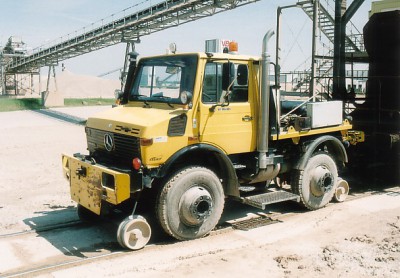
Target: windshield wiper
[136, 97]
[159, 95]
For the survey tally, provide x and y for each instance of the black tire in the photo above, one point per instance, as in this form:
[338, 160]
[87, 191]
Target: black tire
[316, 184]
[86, 215]
[190, 203]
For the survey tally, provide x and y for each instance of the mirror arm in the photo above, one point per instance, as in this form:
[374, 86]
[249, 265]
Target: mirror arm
[230, 85]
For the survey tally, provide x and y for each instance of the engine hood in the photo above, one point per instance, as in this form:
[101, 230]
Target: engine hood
[134, 120]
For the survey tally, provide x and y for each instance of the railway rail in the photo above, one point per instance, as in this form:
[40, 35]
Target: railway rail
[46, 228]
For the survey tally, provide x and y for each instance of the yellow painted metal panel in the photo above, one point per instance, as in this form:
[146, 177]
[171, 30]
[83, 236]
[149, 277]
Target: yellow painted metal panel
[291, 133]
[384, 6]
[230, 128]
[226, 128]
[86, 184]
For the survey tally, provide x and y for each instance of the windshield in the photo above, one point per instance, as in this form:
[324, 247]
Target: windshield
[164, 79]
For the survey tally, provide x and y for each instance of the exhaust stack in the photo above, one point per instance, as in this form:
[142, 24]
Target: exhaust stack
[263, 137]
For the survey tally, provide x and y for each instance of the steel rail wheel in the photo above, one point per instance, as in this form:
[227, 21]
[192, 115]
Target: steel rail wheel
[190, 204]
[134, 232]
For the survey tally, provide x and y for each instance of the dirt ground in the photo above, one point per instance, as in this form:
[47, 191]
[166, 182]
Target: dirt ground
[357, 238]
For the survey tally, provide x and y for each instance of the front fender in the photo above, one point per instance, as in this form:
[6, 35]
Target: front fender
[202, 154]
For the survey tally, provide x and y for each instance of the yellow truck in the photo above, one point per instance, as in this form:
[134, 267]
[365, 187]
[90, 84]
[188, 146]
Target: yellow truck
[194, 129]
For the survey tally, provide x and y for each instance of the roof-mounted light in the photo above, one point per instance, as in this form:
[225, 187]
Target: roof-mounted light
[233, 47]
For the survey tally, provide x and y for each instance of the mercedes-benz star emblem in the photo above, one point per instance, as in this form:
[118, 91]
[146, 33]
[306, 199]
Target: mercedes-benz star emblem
[108, 142]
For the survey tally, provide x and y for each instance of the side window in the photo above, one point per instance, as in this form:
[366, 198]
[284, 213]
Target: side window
[215, 82]
[212, 83]
[240, 88]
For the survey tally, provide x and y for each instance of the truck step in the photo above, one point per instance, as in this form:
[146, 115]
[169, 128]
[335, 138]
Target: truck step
[247, 188]
[261, 200]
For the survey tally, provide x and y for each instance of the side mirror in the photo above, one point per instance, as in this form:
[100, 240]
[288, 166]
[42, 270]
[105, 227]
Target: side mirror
[242, 75]
[133, 56]
[118, 94]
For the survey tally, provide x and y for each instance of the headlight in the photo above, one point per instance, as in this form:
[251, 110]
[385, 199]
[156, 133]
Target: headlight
[186, 97]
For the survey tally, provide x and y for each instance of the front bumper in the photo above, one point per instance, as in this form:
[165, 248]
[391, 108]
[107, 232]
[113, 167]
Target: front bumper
[91, 183]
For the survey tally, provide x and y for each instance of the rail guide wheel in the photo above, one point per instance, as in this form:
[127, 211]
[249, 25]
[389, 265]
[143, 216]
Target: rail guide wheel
[342, 190]
[134, 232]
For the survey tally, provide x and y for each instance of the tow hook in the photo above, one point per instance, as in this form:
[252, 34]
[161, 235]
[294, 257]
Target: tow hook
[81, 172]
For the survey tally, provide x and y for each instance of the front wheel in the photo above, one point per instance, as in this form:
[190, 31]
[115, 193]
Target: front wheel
[190, 204]
[316, 184]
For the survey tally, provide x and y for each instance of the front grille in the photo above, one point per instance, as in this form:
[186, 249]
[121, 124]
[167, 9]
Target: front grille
[124, 149]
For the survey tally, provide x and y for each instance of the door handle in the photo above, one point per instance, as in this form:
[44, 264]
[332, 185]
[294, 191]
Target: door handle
[247, 118]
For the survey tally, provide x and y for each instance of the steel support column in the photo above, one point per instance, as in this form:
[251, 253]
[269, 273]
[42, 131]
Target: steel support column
[342, 17]
[314, 49]
[278, 37]
[351, 10]
[339, 81]
[2, 79]
[278, 60]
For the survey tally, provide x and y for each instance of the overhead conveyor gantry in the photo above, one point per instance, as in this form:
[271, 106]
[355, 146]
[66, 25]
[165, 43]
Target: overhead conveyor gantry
[132, 27]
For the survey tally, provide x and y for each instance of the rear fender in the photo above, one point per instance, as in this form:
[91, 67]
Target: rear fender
[334, 147]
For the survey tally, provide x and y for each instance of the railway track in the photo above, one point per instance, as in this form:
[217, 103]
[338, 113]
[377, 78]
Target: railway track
[105, 247]
[46, 228]
[38, 270]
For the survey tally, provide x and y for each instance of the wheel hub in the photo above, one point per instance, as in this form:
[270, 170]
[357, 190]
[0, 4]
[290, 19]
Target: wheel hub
[196, 205]
[321, 181]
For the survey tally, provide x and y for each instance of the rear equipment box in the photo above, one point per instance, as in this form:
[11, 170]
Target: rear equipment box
[325, 113]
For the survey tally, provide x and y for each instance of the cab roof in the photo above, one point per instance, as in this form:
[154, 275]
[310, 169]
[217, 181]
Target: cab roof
[217, 56]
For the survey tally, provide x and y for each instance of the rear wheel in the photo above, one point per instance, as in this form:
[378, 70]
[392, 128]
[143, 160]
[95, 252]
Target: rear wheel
[316, 184]
[190, 204]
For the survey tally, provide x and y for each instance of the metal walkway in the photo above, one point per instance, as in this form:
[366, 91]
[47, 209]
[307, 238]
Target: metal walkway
[354, 38]
[132, 27]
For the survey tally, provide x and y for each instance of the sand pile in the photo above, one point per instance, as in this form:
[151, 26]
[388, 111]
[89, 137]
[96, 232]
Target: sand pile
[72, 85]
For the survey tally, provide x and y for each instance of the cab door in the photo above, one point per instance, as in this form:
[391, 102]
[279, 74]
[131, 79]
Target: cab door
[227, 117]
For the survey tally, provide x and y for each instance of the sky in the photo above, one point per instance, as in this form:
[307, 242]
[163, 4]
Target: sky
[38, 22]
